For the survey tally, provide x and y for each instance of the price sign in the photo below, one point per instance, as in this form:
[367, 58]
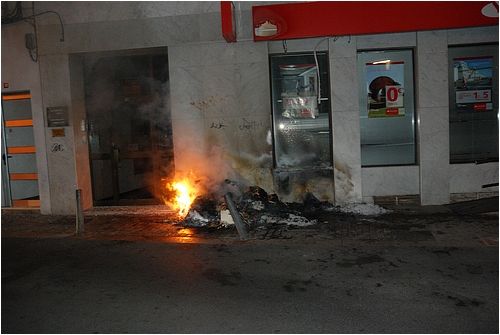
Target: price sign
[394, 96]
[472, 96]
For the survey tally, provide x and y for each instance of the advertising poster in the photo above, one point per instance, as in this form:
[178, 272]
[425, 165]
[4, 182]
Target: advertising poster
[385, 88]
[472, 77]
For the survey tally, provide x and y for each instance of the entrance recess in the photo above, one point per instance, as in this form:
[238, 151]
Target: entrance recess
[129, 126]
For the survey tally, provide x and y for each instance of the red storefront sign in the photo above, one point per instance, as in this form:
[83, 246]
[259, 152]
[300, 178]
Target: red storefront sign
[330, 18]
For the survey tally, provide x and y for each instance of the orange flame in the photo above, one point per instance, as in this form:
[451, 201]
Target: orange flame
[182, 194]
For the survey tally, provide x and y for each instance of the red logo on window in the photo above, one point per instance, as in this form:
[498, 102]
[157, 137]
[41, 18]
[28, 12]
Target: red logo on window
[479, 107]
[392, 111]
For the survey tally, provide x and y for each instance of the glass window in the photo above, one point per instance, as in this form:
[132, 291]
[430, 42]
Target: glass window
[386, 108]
[301, 116]
[473, 94]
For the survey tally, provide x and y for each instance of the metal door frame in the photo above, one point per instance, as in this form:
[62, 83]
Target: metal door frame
[6, 196]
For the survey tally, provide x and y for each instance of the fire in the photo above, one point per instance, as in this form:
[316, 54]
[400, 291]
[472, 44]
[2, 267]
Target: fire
[181, 194]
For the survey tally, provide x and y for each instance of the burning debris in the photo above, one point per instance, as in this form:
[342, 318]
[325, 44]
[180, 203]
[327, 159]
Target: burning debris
[250, 210]
[204, 212]
[180, 194]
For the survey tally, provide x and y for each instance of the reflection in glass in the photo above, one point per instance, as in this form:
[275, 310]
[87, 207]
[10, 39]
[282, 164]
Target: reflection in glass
[301, 122]
[386, 108]
[473, 94]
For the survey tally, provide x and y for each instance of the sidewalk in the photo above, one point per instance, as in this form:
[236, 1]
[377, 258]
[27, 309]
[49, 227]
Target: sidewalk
[408, 225]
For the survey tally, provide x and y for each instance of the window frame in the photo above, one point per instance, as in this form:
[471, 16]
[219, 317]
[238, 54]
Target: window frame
[412, 82]
[479, 52]
[328, 112]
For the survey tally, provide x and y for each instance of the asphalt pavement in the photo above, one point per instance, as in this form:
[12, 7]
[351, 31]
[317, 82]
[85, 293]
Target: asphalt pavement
[358, 275]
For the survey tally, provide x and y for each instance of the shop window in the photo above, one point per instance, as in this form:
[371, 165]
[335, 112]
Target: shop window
[473, 94]
[301, 116]
[386, 108]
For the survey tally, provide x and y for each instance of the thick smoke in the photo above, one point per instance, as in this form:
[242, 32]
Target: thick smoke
[209, 163]
[130, 110]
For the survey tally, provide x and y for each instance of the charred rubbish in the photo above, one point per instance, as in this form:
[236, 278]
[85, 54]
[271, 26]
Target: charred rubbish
[257, 209]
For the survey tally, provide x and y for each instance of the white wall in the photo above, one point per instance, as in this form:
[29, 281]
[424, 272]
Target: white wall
[21, 73]
[220, 111]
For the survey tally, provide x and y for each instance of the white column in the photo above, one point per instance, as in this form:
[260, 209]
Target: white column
[345, 120]
[54, 73]
[433, 116]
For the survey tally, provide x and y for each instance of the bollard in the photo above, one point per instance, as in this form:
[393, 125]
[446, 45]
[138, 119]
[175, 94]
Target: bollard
[79, 213]
[240, 225]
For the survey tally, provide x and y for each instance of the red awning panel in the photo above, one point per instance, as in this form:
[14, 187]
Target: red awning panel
[315, 19]
[227, 17]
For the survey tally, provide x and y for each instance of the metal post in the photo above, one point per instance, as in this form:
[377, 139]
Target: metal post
[115, 159]
[79, 213]
[240, 225]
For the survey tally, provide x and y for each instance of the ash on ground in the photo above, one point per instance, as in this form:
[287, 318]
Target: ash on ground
[260, 210]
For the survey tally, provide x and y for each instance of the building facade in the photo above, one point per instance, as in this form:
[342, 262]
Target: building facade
[229, 110]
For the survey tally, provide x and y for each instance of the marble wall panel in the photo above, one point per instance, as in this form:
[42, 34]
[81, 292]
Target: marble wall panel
[55, 82]
[433, 117]
[187, 55]
[434, 41]
[185, 93]
[344, 84]
[253, 90]
[432, 79]
[347, 156]
[219, 90]
[385, 41]
[219, 53]
[98, 11]
[473, 35]
[210, 27]
[390, 180]
[76, 39]
[434, 184]
[466, 178]
[119, 35]
[434, 136]
[251, 52]
[342, 47]
[345, 120]
[233, 53]
[228, 126]
[167, 30]
[298, 45]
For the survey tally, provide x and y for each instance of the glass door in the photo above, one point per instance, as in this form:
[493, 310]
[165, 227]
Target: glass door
[130, 135]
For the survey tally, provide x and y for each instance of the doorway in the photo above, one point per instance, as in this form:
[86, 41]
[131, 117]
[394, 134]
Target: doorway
[19, 169]
[129, 126]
